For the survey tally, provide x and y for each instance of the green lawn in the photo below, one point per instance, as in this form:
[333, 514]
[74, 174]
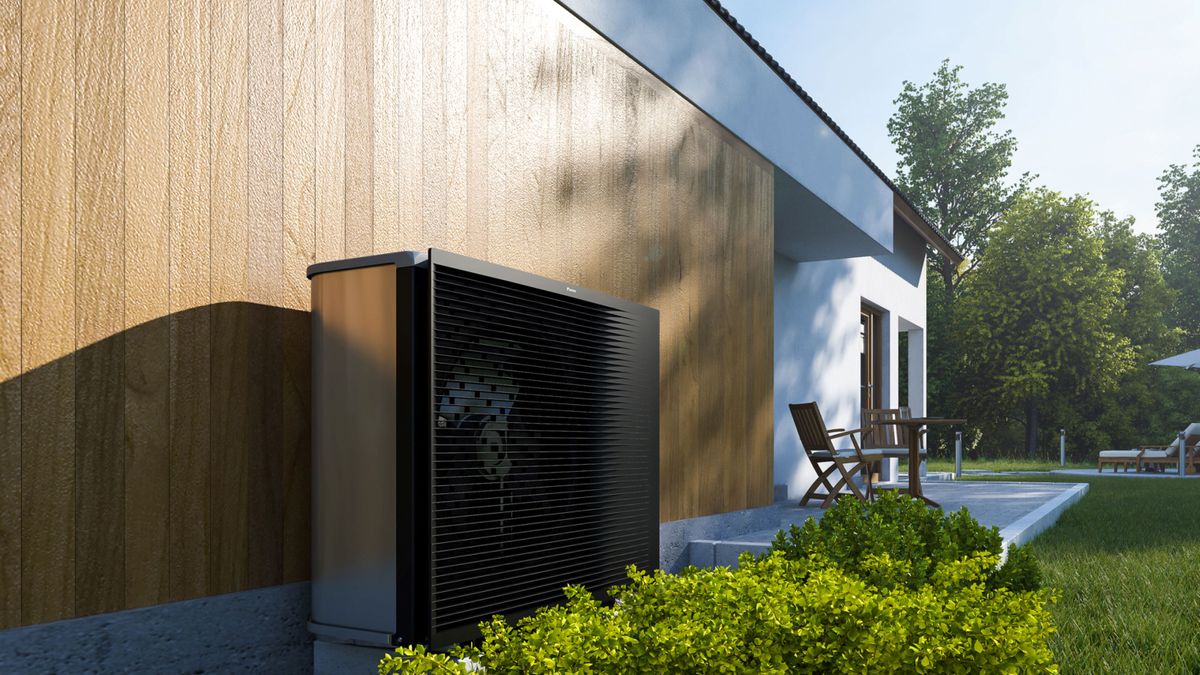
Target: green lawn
[943, 464]
[1127, 561]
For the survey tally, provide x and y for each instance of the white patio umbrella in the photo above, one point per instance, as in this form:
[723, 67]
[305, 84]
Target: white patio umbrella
[1191, 361]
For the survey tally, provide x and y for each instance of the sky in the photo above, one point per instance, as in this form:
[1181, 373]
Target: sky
[1103, 94]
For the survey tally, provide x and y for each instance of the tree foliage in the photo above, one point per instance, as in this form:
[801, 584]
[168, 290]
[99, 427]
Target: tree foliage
[1038, 318]
[1178, 212]
[954, 165]
[1071, 304]
[1149, 403]
[954, 162]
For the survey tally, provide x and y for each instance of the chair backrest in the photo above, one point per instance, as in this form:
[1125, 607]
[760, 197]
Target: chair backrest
[811, 427]
[878, 435]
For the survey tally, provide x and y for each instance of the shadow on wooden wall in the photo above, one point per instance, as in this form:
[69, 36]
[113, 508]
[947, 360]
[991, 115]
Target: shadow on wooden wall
[165, 462]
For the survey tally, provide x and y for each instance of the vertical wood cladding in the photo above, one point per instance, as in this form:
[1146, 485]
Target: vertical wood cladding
[168, 170]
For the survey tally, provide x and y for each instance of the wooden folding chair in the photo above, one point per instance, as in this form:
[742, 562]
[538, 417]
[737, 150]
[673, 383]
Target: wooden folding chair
[890, 440]
[826, 458]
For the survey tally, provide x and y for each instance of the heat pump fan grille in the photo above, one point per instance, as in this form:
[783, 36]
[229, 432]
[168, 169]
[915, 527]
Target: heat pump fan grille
[539, 466]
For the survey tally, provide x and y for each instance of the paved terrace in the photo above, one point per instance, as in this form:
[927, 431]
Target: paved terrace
[1020, 510]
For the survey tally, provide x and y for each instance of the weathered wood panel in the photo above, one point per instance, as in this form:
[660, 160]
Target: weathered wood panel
[230, 385]
[99, 308]
[299, 251]
[330, 141]
[154, 373]
[47, 311]
[10, 313]
[147, 303]
[358, 53]
[264, 410]
[190, 298]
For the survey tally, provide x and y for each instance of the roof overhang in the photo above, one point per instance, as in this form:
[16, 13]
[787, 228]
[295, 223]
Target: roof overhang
[696, 48]
[929, 233]
[691, 49]
[807, 228]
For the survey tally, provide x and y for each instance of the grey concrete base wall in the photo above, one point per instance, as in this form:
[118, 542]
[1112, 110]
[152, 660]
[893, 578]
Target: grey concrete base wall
[259, 631]
[331, 658]
[683, 542]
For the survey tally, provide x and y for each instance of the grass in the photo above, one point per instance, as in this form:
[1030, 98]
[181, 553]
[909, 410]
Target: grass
[1126, 559]
[947, 464]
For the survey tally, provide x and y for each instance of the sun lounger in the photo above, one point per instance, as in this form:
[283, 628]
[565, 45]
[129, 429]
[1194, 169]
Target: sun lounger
[1160, 456]
[1124, 458]
[1166, 456]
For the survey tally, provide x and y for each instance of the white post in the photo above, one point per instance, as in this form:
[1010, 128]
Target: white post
[1182, 453]
[957, 455]
[1062, 447]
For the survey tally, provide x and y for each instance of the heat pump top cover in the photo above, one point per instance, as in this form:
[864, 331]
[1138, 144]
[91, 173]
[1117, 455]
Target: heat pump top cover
[544, 441]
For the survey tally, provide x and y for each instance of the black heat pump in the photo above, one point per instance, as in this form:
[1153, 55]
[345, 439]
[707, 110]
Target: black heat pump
[522, 453]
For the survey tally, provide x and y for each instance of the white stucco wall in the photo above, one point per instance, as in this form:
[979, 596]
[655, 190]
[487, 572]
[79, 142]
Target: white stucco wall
[817, 344]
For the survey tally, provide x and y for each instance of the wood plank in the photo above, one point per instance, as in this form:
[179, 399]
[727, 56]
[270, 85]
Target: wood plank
[230, 383]
[478, 132]
[763, 320]
[496, 114]
[147, 304]
[10, 314]
[359, 144]
[48, 311]
[549, 137]
[440, 68]
[386, 130]
[456, 73]
[331, 130]
[299, 251]
[264, 406]
[512, 237]
[190, 325]
[99, 298]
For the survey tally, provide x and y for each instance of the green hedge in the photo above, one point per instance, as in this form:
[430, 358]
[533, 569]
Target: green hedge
[919, 593]
[918, 539]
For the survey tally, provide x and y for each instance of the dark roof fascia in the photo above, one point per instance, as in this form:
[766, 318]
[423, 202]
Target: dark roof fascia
[927, 230]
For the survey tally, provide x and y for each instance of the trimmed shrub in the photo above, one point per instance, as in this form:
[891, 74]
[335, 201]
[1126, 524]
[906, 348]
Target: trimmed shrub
[918, 540]
[774, 614]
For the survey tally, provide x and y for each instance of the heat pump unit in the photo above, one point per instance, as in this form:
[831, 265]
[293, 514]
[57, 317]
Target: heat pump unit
[481, 438]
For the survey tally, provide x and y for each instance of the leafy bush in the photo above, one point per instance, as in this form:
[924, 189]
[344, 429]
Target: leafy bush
[918, 540]
[774, 614]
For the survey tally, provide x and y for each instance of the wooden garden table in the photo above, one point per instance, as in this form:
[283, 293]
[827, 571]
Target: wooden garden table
[914, 425]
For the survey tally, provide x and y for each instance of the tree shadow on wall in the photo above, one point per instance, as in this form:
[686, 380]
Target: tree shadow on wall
[167, 461]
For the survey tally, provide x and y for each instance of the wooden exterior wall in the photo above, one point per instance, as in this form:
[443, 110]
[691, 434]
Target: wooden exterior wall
[169, 169]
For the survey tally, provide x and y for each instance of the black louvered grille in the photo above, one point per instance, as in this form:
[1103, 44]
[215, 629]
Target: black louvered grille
[541, 470]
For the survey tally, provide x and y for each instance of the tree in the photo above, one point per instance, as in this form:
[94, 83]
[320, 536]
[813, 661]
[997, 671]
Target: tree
[1036, 317]
[1146, 401]
[953, 162]
[1178, 212]
[953, 165]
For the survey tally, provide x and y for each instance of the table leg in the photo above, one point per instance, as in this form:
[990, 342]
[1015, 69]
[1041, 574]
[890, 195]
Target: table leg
[914, 469]
[914, 464]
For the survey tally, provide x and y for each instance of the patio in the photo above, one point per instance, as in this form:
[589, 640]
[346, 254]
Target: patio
[1021, 510]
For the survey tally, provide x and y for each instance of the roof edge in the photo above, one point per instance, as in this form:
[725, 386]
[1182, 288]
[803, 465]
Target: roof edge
[909, 211]
[928, 232]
